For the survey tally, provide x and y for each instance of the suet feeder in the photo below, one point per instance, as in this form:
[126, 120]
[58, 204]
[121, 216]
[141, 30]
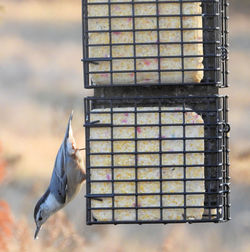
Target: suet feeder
[156, 129]
[144, 43]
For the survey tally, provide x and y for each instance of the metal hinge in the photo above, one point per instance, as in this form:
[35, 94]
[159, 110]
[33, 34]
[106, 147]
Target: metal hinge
[226, 127]
[224, 53]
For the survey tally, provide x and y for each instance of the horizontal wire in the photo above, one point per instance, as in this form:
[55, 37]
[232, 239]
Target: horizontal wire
[156, 166]
[155, 180]
[211, 218]
[151, 139]
[110, 195]
[148, 2]
[144, 84]
[154, 152]
[157, 43]
[211, 29]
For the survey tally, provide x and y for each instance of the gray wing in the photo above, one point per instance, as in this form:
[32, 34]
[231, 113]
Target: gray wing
[58, 184]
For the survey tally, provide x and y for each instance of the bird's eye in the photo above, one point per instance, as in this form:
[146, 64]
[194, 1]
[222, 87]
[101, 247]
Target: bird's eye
[40, 218]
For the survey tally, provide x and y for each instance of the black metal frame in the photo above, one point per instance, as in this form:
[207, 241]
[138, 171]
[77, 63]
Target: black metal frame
[224, 42]
[213, 110]
[215, 43]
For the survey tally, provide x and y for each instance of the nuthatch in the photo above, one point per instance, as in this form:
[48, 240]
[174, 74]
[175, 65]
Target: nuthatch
[66, 180]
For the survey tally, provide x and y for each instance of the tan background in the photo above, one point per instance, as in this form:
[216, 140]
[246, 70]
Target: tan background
[40, 82]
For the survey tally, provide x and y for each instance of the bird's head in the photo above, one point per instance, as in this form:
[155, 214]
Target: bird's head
[41, 214]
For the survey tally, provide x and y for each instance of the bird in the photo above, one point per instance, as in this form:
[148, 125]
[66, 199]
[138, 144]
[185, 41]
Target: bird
[67, 178]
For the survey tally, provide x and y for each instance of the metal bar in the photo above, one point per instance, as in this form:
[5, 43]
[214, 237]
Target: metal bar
[150, 194]
[151, 2]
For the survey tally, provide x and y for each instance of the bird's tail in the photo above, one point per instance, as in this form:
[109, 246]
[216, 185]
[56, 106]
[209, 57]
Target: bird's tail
[69, 132]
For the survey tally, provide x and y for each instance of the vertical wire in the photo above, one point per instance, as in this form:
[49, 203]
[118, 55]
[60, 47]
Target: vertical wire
[184, 160]
[112, 160]
[88, 175]
[215, 68]
[134, 42]
[226, 40]
[222, 42]
[158, 41]
[224, 157]
[85, 42]
[209, 130]
[160, 136]
[221, 172]
[136, 166]
[218, 12]
[219, 133]
[182, 45]
[110, 43]
[227, 163]
[223, 154]
[87, 134]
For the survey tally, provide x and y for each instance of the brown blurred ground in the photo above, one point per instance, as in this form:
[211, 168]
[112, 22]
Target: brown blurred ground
[41, 81]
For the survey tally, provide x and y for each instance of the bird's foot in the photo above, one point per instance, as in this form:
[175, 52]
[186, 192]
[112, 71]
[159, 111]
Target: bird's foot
[98, 199]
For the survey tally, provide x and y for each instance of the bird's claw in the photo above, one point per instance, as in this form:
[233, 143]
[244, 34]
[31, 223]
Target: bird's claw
[98, 199]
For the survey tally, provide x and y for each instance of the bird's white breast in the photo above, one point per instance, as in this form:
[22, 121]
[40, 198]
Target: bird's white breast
[52, 203]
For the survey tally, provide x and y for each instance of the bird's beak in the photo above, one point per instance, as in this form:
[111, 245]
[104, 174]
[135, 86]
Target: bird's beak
[37, 231]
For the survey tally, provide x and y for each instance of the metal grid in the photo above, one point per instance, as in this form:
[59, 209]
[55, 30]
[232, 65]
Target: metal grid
[168, 43]
[209, 202]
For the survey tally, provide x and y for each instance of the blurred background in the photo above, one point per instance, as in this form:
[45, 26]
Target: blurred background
[40, 82]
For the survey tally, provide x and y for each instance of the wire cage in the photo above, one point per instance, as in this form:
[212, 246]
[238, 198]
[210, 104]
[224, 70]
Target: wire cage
[133, 42]
[157, 160]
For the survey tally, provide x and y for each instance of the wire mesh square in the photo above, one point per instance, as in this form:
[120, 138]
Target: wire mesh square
[149, 42]
[157, 160]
